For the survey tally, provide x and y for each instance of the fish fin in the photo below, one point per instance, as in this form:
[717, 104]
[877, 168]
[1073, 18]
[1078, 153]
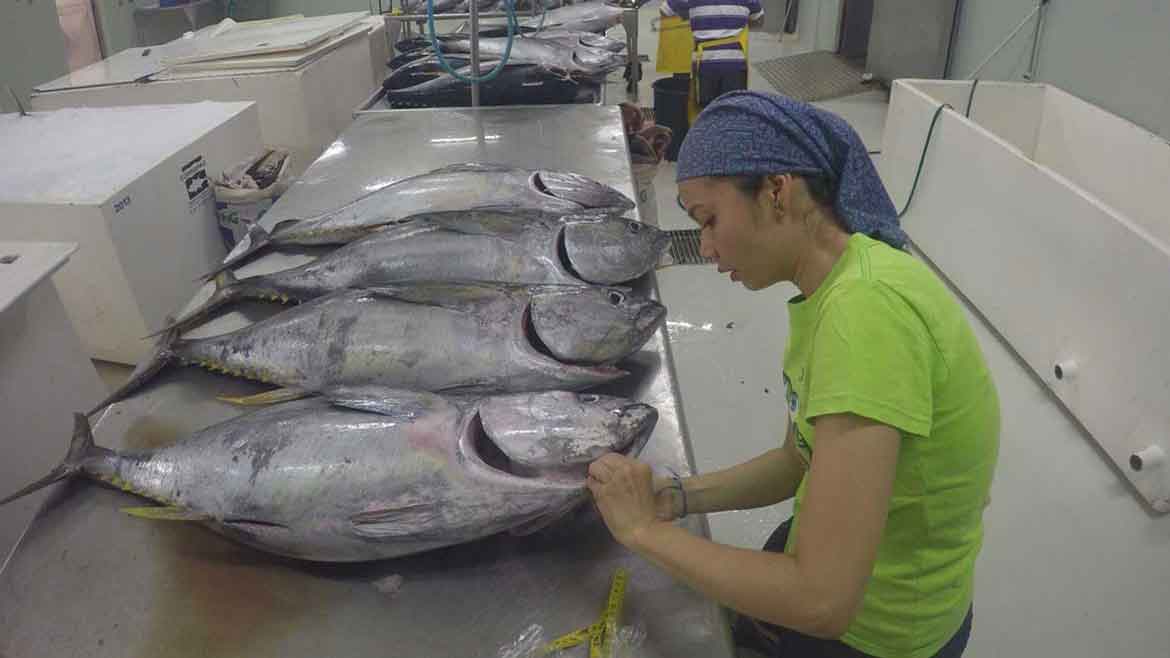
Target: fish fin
[495, 220]
[166, 513]
[413, 521]
[164, 352]
[385, 401]
[226, 290]
[252, 243]
[81, 447]
[462, 297]
[543, 521]
[253, 526]
[267, 397]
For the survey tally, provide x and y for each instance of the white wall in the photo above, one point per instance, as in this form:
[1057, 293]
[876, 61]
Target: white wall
[32, 48]
[1113, 54]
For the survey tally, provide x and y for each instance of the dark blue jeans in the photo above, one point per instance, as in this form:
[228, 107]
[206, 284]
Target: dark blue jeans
[781, 642]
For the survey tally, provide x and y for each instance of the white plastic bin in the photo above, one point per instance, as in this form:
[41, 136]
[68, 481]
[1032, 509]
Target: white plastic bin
[1051, 216]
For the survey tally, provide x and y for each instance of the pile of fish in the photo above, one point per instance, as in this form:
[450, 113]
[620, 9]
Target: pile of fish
[563, 58]
[463, 6]
[441, 346]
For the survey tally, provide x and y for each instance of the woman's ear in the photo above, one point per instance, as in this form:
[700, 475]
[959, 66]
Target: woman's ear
[777, 190]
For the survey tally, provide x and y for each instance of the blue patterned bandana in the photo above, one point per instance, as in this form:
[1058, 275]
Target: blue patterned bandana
[748, 133]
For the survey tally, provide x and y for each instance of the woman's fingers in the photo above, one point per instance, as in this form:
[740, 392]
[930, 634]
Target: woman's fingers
[604, 468]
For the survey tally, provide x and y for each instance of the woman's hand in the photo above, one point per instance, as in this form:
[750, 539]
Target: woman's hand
[623, 489]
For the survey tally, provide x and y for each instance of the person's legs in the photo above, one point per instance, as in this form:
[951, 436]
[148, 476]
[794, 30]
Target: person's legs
[735, 81]
[714, 84]
[710, 86]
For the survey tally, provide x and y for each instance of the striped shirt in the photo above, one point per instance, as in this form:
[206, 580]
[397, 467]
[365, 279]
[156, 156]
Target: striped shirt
[717, 19]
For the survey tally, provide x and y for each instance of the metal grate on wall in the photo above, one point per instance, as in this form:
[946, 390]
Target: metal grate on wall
[684, 248]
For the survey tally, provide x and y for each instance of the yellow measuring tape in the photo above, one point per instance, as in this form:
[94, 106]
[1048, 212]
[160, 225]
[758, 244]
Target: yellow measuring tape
[601, 634]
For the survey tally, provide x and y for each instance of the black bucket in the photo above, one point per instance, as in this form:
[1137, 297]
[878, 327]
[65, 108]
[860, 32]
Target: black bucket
[670, 109]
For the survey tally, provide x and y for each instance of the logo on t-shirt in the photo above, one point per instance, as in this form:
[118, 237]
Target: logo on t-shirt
[793, 399]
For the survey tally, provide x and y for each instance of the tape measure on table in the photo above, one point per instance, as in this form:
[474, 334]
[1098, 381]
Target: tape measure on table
[601, 634]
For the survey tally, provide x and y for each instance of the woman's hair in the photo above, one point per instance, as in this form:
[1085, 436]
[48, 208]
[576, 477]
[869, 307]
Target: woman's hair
[821, 189]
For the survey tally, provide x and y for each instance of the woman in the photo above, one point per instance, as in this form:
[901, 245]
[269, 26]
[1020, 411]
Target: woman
[894, 416]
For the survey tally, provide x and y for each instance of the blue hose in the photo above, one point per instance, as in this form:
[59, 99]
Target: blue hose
[513, 25]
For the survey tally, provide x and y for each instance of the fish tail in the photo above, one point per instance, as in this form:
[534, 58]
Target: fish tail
[81, 449]
[164, 353]
[227, 289]
[256, 240]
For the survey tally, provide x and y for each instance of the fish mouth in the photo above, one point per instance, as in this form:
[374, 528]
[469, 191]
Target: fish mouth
[602, 372]
[636, 422]
[650, 318]
[563, 256]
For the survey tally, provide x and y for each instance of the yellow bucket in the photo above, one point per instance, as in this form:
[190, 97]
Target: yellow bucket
[675, 44]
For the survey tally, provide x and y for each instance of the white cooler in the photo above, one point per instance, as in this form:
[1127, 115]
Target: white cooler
[132, 187]
[305, 97]
[44, 377]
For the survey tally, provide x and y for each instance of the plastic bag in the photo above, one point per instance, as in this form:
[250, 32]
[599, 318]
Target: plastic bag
[530, 644]
[246, 191]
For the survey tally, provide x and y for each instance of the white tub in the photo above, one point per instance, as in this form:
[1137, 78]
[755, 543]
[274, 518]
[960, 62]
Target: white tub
[1052, 216]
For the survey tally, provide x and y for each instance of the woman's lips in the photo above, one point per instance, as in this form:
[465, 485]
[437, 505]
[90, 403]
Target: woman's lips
[725, 270]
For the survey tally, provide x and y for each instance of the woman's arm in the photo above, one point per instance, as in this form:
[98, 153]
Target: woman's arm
[765, 480]
[818, 589]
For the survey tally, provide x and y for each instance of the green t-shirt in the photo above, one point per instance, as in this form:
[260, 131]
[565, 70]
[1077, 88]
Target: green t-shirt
[883, 338]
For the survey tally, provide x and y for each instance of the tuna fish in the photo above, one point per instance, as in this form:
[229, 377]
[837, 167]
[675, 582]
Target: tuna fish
[566, 54]
[579, 17]
[424, 83]
[455, 187]
[487, 245]
[371, 473]
[431, 337]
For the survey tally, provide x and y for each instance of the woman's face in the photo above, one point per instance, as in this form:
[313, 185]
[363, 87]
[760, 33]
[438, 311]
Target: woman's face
[737, 231]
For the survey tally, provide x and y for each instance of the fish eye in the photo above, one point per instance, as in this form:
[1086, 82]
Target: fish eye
[635, 227]
[588, 398]
[616, 298]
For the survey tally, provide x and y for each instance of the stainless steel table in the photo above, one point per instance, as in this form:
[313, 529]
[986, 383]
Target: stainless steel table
[87, 580]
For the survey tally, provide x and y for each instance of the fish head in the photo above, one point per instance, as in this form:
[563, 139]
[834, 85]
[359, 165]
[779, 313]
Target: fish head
[592, 324]
[597, 60]
[580, 190]
[602, 41]
[560, 432]
[609, 250]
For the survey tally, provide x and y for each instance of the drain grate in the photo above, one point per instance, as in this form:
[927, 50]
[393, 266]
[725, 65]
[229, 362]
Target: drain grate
[814, 76]
[684, 248]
